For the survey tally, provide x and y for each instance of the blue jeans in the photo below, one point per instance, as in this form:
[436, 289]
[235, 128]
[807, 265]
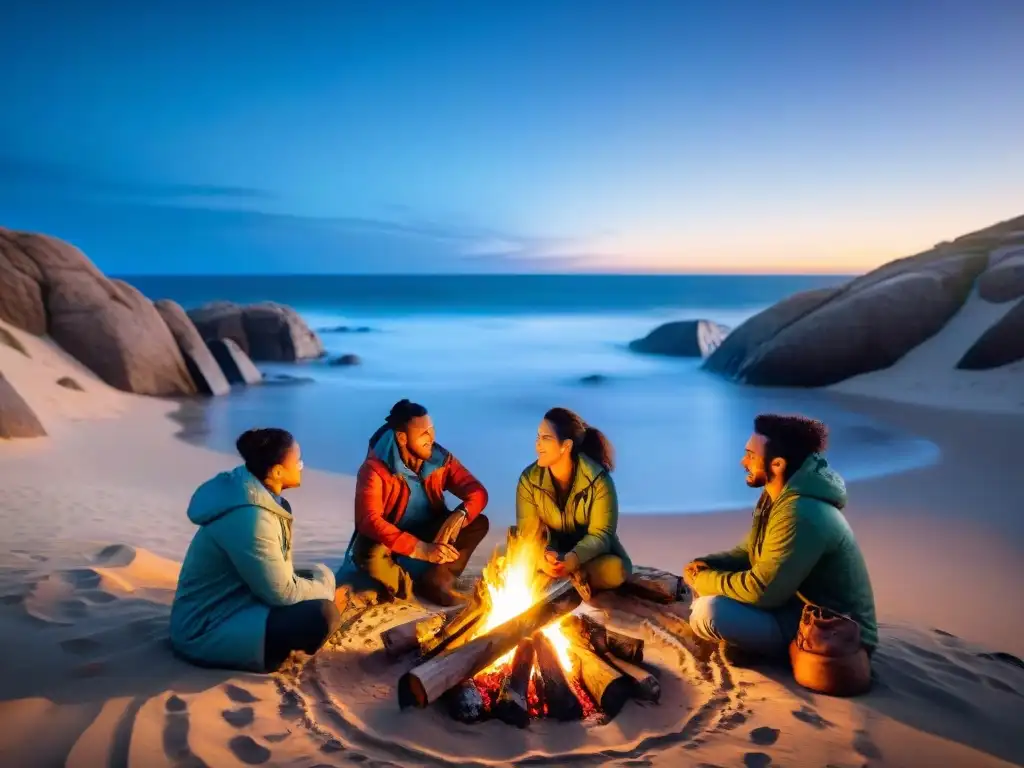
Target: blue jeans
[723, 619]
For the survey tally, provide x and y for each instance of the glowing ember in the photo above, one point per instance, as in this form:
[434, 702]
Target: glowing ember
[513, 585]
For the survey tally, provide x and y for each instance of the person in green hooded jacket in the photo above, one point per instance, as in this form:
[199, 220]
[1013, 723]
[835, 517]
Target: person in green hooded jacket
[800, 549]
[569, 494]
[240, 604]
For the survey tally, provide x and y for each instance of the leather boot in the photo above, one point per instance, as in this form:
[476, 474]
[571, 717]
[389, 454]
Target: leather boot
[437, 586]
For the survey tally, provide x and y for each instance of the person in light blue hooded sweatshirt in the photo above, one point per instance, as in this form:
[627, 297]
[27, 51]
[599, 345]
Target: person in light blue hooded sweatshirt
[240, 603]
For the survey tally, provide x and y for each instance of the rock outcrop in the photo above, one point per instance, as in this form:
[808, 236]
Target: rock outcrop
[206, 373]
[744, 341]
[1004, 279]
[1001, 344]
[17, 419]
[50, 287]
[867, 325]
[266, 332]
[237, 366]
[347, 359]
[682, 338]
[822, 337]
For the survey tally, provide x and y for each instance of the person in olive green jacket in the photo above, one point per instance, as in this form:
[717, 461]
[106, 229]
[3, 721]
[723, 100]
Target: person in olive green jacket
[569, 494]
[800, 548]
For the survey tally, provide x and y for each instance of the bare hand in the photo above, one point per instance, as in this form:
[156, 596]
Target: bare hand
[450, 528]
[692, 569]
[550, 564]
[436, 553]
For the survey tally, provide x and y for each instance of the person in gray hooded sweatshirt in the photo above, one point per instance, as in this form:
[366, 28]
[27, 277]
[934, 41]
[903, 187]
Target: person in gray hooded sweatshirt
[239, 602]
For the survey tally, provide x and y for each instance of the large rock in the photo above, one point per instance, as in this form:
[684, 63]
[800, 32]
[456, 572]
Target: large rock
[17, 419]
[267, 331]
[1004, 279]
[206, 373]
[49, 287]
[743, 341]
[1001, 344]
[237, 366]
[682, 338]
[867, 325]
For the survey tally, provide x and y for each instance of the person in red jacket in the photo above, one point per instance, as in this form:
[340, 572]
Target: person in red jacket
[406, 540]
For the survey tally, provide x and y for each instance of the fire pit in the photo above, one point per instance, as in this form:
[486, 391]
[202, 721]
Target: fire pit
[519, 649]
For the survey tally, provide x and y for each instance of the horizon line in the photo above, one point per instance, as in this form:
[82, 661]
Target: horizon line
[483, 274]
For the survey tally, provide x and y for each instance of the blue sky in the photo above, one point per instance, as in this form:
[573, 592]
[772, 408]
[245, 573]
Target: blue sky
[539, 135]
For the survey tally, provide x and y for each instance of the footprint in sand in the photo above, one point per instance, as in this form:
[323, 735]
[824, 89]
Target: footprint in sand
[331, 746]
[757, 760]
[764, 736]
[277, 738]
[239, 695]
[865, 747]
[291, 707]
[238, 718]
[809, 716]
[175, 736]
[248, 751]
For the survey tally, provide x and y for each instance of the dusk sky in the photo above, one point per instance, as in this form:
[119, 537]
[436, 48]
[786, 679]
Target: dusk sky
[537, 135]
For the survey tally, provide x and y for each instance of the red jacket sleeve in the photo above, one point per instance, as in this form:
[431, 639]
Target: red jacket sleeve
[370, 514]
[460, 482]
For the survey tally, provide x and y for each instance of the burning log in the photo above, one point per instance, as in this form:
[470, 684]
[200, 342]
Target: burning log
[426, 682]
[459, 629]
[658, 588]
[645, 686]
[415, 633]
[609, 688]
[553, 685]
[513, 706]
[607, 641]
[466, 703]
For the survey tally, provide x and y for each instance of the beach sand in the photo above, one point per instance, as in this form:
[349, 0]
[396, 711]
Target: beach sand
[94, 528]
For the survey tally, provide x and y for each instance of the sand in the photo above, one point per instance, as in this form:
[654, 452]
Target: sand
[927, 375]
[94, 531]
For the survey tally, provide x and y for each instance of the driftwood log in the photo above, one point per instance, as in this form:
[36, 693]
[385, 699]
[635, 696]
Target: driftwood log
[460, 628]
[426, 682]
[608, 687]
[606, 641]
[513, 706]
[657, 587]
[644, 685]
[553, 688]
[412, 634]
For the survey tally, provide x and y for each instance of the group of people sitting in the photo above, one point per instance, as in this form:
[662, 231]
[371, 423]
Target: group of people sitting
[241, 604]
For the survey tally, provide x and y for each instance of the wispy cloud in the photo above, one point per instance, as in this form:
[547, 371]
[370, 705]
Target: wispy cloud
[82, 182]
[226, 225]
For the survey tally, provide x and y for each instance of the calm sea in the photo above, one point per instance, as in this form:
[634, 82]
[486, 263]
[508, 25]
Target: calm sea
[489, 354]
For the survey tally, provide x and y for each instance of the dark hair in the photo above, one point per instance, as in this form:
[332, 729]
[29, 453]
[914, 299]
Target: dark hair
[261, 449]
[792, 438]
[585, 439]
[402, 413]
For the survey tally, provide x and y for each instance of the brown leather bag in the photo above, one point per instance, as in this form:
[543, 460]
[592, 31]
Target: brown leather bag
[827, 654]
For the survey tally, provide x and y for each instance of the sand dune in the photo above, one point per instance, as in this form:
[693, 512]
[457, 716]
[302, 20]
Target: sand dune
[94, 528]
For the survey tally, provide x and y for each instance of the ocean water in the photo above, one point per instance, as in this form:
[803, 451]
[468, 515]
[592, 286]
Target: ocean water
[488, 355]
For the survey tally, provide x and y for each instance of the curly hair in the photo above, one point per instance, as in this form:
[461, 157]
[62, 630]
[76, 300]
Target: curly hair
[793, 438]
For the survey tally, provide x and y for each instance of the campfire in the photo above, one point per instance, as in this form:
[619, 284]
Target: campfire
[518, 649]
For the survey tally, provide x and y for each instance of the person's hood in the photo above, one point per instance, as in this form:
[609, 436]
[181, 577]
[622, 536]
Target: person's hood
[817, 480]
[232, 490]
[384, 448]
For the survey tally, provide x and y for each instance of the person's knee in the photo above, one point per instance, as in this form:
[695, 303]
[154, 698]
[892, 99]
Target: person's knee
[607, 572]
[706, 615]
